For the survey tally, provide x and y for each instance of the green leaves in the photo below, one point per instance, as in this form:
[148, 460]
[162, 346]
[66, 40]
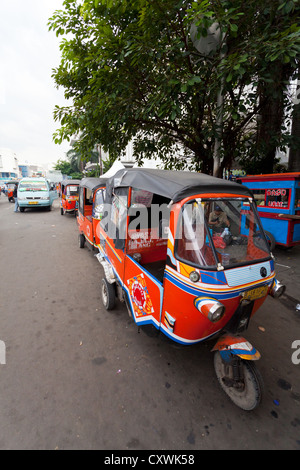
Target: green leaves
[132, 71]
[193, 80]
[287, 7]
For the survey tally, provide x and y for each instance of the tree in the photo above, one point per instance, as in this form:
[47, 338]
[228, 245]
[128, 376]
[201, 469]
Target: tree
[64, 167]
[132, 72]
[77, 159]
[74, 165]
[276, 64]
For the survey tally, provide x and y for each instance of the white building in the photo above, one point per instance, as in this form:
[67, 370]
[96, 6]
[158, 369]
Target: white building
[54, 176]
[9, 166]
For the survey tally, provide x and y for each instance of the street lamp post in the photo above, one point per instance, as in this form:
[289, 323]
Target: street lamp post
[100, 158]
[207, 45]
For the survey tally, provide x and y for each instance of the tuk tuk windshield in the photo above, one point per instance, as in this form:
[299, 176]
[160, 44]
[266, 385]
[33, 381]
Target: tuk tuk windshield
[72, 190]
[225, 232]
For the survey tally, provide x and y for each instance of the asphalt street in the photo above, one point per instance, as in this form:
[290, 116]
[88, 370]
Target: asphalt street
[79, 377]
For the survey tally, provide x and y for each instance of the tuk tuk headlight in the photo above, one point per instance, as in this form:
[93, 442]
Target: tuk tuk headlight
[194, 276]
[210, 308]
[277, 289]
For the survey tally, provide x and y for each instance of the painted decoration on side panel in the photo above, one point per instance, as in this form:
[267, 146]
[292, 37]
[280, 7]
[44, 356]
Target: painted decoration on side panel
[140, 297]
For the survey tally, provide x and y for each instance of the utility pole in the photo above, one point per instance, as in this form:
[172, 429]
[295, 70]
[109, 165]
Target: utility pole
[294, 155]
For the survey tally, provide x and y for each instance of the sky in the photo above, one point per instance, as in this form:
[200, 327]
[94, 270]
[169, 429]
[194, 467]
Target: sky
[28, 53]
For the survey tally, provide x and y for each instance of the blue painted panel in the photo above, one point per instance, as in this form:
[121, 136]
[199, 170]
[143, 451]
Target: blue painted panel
[296, 234]
[278, 228]
[269, 184]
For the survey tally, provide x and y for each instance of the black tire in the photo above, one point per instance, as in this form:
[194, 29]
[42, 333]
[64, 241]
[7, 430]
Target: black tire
[270, 239]
[250, 397]
[81, 240]
[61, 211]
[22, 209]
[108, 294]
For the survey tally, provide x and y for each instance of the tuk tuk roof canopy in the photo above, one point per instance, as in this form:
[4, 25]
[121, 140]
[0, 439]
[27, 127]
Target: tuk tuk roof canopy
[67, 182]
[175, 185]
[93, 183]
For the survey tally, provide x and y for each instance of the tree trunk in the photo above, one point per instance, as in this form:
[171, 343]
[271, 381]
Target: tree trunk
[294, 156]
[269, 129]
[271, 97]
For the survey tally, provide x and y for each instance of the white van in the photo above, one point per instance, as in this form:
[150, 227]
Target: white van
[35, 192]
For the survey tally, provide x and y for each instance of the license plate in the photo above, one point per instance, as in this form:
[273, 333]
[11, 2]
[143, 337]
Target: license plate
[255, 293]
[33, 202]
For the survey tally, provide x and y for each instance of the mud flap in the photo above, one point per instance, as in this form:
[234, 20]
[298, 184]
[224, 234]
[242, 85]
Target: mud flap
[230, 346]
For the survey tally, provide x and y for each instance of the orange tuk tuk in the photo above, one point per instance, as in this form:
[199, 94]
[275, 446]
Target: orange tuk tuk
[69, 196]
[90, 209]
[10, 190]
[187, 254]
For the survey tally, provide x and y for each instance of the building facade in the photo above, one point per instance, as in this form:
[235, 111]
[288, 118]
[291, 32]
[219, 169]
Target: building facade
[9, 167]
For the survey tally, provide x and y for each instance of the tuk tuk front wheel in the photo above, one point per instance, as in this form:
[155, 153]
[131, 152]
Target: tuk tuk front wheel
[245, 393]
[108, 294]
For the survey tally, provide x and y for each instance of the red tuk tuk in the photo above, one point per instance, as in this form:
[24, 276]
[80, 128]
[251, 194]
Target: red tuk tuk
[69, 196]
[90, 208]
[10, 190]
[174, 248]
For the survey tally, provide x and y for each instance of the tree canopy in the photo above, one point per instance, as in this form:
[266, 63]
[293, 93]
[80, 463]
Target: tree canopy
[133, 72]
[74, 166]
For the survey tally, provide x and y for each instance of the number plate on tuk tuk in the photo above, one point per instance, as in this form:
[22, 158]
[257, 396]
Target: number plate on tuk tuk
[255, 293]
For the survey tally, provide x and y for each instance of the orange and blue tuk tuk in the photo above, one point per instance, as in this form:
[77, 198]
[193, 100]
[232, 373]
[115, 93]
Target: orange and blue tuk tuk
[69, 196]
[174, 248]
[90, 209]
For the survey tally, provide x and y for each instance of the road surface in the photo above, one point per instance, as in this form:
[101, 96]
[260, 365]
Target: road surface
[79, 377]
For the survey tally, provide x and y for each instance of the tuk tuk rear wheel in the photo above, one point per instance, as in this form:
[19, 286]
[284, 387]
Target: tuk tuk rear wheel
[247, 397]
[108, 294]
[81, 240]
[270, 240]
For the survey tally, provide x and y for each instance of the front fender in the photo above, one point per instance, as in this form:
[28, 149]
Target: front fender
[229, 346]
